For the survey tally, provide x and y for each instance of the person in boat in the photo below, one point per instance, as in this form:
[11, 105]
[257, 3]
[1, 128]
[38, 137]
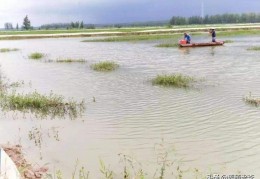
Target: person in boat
[187, 38]
[213, 34]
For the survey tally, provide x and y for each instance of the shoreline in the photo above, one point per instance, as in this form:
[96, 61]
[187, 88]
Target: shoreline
[27, 170]
[117, 33]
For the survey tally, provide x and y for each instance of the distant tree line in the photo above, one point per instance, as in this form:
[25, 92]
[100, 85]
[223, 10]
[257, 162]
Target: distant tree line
[26, 25]
[217, 19]
[8, 26]
[72, 25]
[175, 20]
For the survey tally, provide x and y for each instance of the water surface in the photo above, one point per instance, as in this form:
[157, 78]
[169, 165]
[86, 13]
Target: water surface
[210, 126]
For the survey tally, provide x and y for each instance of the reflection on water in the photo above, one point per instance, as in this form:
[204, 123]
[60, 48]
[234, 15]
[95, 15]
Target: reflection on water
[211, 128]
[212, 51]
[185, 51]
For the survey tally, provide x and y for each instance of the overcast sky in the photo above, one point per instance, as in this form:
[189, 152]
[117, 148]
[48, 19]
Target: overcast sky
[115, 11]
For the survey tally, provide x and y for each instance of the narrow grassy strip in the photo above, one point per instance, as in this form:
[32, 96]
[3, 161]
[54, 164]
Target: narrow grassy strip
[175, 80]
[36, 56]
[168, 45]
[105, 66]
[70, 60]
[3, 50]
[228, 41]
[224, 33]
[132, 38]
[254, 48]
[41, 105]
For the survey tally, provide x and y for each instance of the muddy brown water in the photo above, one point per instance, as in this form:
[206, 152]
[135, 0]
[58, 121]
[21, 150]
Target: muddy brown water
[210, 126]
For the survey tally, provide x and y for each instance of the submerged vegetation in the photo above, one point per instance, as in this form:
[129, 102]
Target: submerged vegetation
[105, 66]
[167, 165]
[70, 60]
[132, 38]
[228, 41]
[254, 48]
[3, 50]
[252, 100]
[168, 45]
[41, 105]
[175, 80]
[36, 55]
[66, 60]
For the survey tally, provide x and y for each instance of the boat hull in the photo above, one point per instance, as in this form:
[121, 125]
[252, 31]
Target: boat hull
[202, 44]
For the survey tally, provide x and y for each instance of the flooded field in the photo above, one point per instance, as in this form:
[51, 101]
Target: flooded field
[209, 126]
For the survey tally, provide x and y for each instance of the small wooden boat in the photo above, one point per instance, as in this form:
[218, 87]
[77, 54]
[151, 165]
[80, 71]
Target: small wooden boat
[201, 44]
[8, 169]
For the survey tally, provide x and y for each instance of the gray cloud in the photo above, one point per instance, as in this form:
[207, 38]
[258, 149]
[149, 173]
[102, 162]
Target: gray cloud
[115, 11]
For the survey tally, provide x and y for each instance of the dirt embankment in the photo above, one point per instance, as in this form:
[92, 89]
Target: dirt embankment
[27, 170]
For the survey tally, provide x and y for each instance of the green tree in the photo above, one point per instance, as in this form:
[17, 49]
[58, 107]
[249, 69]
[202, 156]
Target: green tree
[72, 25]
[26, 23]
[76, 24]
[17, 26]
[81, 26]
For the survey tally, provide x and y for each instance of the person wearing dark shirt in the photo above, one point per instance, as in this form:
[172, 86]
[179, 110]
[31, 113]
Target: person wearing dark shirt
[187, 38]
[213, 35]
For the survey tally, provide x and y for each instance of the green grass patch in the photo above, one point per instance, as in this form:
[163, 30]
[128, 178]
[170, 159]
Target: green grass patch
[3, 50]
[254, 48]
[72, 31]
[41, 105]
[105, 66]
[168, 45]
[224, 33]
[36, 56]
[175, 80]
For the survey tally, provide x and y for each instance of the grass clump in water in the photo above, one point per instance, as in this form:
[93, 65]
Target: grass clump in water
[36, 55]
[105, 66]
[3, 50]
[168, 45]
[70, 60]
[254, 48]
[228, 41]
[175, 80]
[41, 105]
[252, 100]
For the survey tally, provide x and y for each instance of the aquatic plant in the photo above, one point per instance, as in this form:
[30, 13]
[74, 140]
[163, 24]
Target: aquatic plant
[254, 48]
[36, 55]
[168, 45]
[6, 84]
[175, 80]
[70, 60]
[105, 66]
[107, 173]
[228, 41]
[41, 105]
[36, 134]
[167, 167]
[3, 50]
[252, 100]
[127, 38]
[65, 60]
